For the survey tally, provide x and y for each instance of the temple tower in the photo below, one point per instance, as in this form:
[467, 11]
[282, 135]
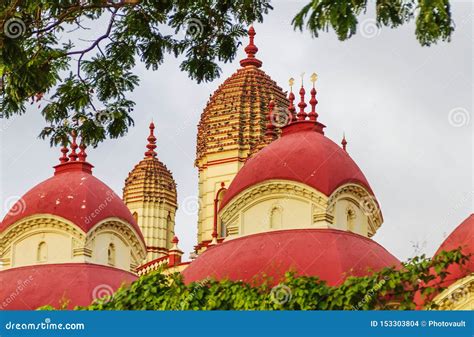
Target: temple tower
[231, 128]
[150, 194]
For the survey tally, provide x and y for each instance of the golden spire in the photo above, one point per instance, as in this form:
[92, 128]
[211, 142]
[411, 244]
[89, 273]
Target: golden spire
[291, 81]
[313, 78]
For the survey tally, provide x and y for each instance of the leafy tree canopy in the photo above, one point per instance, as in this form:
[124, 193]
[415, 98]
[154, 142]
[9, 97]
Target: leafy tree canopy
[83, 85]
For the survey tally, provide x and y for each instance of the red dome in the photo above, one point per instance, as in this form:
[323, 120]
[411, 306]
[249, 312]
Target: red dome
[75, 194]
[27, 288]
[303, 155]
[462, 236]
[330, 254]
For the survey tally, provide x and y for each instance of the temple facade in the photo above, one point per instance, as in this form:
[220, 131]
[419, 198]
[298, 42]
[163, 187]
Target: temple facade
[276, 194]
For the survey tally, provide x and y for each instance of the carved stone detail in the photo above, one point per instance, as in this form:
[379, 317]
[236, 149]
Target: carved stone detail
[273, 189]
[364, 199]
[458, 296]
[126, 233]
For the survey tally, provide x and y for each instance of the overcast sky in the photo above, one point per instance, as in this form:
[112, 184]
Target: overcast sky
[407, 112]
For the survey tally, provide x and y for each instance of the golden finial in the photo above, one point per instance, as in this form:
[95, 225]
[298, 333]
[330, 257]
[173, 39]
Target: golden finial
[313, 78]
[291, 81]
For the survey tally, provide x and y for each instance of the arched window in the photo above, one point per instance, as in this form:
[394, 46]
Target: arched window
[42, 252]
[276, 217]
[218, 225]
[223, 230]
[111, 255]
[350, 218]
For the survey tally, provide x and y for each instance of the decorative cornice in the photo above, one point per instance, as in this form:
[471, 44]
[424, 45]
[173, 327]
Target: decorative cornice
[81, 242]
[38, 222]
[272, 188]
[128, 235]
[457, 295]
[366, 201]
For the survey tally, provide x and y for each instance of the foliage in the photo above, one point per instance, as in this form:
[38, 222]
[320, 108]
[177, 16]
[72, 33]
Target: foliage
[88, 84]
[85, 84]
[433, 17]
[390, 288]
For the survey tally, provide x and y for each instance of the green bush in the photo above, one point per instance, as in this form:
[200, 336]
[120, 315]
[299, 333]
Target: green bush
[390, 288]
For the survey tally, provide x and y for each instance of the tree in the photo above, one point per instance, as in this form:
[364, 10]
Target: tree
[83, 85]
[433, 17]
[88, 86]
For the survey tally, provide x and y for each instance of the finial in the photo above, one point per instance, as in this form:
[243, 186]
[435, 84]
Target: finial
[291, 98]
[151, 142]
[73, 154]
[313, 78]
[302, 105]
[270, 132]
[302, 78]
[251, 50]
[64, 159]
[344, 142]
[175, 240]
[82, 154]
[222, 184]
[313, 115]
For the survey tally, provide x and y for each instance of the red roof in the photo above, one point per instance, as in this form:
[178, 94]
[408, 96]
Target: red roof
[462, 236]
[330, 254]
[75, 194]
[27, 288]
[302, 155]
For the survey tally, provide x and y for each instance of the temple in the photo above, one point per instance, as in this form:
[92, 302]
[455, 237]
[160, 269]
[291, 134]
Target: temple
[276, 194]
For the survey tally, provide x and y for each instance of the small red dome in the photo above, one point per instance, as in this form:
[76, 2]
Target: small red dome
[329, 254]
[462, 236]
[27, 288]
[304, 156]
[75, 194]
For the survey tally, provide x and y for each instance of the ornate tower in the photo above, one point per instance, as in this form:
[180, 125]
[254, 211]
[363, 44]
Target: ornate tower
[150, 194]
[231, 127]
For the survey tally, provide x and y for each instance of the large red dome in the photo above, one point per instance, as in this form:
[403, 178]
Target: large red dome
[27, 288]
[73, 193]
[303, 155]
[330, 254]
